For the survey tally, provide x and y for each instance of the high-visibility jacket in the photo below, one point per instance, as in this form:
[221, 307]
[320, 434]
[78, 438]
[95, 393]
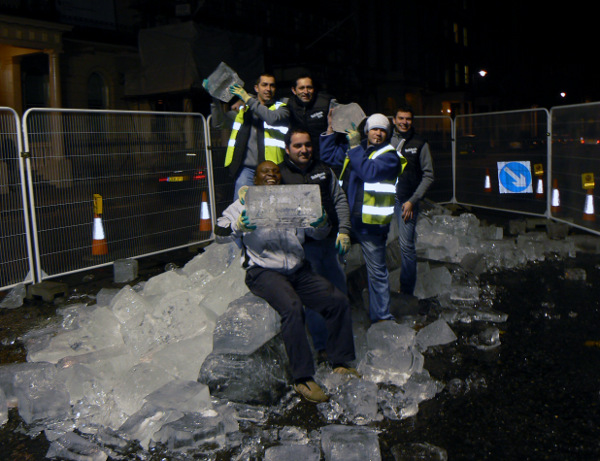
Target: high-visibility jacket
[379, 197]
[273, 138]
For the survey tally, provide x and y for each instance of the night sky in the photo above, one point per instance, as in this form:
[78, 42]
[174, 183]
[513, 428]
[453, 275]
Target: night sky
[555, 49]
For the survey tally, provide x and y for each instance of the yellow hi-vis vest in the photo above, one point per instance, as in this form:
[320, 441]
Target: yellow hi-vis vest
[379, 197]
[274, 138]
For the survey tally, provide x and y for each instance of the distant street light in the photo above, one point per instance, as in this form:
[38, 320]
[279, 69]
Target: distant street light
[563, 94]
[482, 73]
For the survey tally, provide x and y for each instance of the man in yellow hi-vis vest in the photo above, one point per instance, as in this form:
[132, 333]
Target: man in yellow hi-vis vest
[258, 131]
[370, 169]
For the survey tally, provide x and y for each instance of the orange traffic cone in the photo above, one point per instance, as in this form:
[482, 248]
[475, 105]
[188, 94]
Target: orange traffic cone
[555, 204]
[99, 246]
[205, 224]
[588, 207]
[487, 186]
[539, 189]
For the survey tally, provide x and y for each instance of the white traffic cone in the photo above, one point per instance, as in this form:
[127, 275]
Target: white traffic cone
[99, 246]
[205, 223]
[588, 207]
[555, 204]
[487, 186]
[539, 189]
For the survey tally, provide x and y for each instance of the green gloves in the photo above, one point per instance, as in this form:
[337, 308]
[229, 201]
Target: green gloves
[342, 243]
[353, 137]
[238, 91]
[322, 221]
[244, 224]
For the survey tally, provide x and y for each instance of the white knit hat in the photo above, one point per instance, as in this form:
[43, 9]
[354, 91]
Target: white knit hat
[377, 121]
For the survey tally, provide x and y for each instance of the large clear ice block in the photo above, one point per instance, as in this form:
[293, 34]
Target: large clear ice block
[220, 80]
[346, 115]
[287, 206]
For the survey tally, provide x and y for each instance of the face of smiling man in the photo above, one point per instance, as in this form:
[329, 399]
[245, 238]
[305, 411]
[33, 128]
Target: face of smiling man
[403, 121]
[267, 174]
[265, 89]
[300, 149]
[304, 89]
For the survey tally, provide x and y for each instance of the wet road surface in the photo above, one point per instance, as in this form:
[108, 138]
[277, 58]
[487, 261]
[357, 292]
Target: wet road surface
[535, 397]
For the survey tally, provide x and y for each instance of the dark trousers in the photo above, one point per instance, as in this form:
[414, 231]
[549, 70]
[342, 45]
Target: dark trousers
[287, 294]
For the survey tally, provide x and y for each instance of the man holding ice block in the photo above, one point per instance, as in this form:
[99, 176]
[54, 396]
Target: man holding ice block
[301, 167]
[370, 169]
[277, 272]
[257, 132]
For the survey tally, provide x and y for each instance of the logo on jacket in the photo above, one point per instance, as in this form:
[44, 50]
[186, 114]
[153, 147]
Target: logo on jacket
[411, 150]
[319, 114]
[319, 176]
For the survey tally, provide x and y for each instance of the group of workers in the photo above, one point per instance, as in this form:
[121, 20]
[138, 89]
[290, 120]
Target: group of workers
[363, 183]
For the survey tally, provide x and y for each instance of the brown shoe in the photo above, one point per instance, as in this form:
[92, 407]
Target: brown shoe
[311, 391]
[342, 370]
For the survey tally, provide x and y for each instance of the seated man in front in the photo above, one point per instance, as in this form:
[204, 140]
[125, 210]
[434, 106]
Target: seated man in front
[277, 272]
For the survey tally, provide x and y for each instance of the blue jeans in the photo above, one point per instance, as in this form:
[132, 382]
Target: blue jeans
[325, 261]
[407, 236]
[245, 178]
[374, 248]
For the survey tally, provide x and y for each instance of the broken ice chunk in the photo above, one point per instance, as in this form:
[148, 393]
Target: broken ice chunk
[148, 420]
[186, 396]
[3, 408]
[292, 452]
[358, 400]
[393, 369]
[248, 323]
[419, 451]
[435, 334]
[349, 443]
[389, 336]
[192, 430]
[71, 446]
[261, 378]
[46, 401]
[125, 270]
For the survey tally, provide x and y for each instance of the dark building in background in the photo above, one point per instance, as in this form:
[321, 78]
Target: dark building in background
[154, 54]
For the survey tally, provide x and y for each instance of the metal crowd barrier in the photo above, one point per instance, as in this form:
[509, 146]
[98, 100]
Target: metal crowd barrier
[95, 186]
[575, 165]
[502, 161]
[15, 248]
[438, 132]
[109, 185]
[217, 145]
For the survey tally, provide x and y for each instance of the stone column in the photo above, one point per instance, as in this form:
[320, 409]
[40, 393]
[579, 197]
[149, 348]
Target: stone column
[54, 78]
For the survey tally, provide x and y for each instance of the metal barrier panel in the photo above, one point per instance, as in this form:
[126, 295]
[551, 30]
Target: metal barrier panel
[16, 263]
[108, 185]
[502, 161]
[575, 164]
[223, 182]
[437, 131]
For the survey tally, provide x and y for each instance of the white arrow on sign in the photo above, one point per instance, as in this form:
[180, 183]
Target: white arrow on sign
[519, 179]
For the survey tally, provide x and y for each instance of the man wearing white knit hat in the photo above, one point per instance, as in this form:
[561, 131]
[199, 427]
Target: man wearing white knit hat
[370, 168]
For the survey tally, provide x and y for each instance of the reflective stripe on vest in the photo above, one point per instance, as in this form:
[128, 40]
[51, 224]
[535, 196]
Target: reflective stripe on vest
[379, 197]
[273, 138]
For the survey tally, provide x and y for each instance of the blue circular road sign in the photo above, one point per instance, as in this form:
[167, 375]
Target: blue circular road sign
[515, 177]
